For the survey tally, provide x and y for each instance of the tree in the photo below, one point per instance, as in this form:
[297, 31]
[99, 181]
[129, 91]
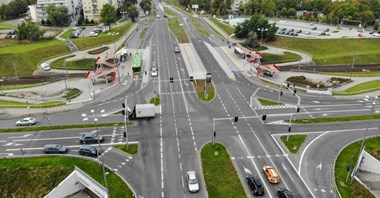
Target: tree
[241, 8]
[376, 26]
[58, 15]
[133, 13]
[253, 24]
[251, 40]
[108, 14]
[145, 5]
[29, 30]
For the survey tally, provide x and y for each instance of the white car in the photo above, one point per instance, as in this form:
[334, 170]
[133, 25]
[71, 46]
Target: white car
[192, 181]
[307, 32]
[154, 72]
[158, 16]
[93, 34]
[45, 66]
[26, 121]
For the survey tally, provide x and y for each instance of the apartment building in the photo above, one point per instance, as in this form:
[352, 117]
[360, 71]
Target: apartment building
[236, 4]
[91, 8]
[38, 10]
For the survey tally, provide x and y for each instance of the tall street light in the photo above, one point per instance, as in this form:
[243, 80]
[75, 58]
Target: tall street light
[98, 153]
[373, 101]
[262, 32]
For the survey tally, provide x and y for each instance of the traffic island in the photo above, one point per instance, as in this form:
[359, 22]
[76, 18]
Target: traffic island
[130, 149]
[155, 100]
[219, 173]
[264, 102]
[293, 142]
[205, 91]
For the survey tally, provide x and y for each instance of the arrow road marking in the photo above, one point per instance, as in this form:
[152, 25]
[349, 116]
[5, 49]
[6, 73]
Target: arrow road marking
[247, 171]
[320, 166]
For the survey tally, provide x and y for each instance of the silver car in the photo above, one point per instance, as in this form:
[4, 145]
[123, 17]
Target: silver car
[192, 181]
[55, 148]
[26, 121]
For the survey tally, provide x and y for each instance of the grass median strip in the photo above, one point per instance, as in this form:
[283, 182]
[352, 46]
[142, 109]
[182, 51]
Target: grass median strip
[229, 30]
[281, 58]
[354, 74]
[178, 30]
[9, 87]
[13, 104]
[348, 156]
[361, 88]
[169, 12]
[198, 26]
[219, 173]
[131, 149]
[59, 127]
[213, 29]
[293, 142]
[204, 93]
[73, 93]
[268, 102]
[98, 50]
[155, 100]
[81, 64]
[36, 176]
[66, 35]
[335, 119]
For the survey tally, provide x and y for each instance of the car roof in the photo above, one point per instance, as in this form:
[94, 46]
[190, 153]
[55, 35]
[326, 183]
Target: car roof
[51, 145]
[191, 174]
[89, 134]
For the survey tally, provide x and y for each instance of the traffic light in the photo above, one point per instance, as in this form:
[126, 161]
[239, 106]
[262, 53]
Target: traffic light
[288, 85]
[123, 105]
[191, 78]
[295, 92]
[171, 79]
[289, 129]
[236, 119]
[281, 93]
[123, 110]
[125, 134]
[298, 109]
[264, 117]
[214, 133]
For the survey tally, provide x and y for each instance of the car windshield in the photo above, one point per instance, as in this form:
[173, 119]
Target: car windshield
[58, 146]
[193, 181]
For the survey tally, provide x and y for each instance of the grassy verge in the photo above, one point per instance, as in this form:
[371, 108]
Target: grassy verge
[35, 177]
[98, 50]
[213, 29]
[102, 38]
[169, 12]
[9, 87]
[283, 58]
[73, 93]
[67, 34]
[294, 142]
[131, 149]
[82, 64]
[361, 88]
[334, 51]
[348, 156]
[199, 86]
[268, 102]
[197, 25]
[26, 56]
[354, 74]
[229, 30]
[143, 32]
[7, 26]
[178, 30]
[13, 104]
[335, 119]
[155, 100]
[219, 173]
[60, 127]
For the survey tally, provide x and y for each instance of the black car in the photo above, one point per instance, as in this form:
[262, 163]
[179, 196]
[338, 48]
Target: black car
[323, 33]
[291, 30]
[285, 193]
[55, 148]
[89, 150]
[255, 184]
[313, 28]
[82, 28]
[299, 31]
[165, 16]
[90, 138]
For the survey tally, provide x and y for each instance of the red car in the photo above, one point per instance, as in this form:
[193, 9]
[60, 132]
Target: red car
[177, 50]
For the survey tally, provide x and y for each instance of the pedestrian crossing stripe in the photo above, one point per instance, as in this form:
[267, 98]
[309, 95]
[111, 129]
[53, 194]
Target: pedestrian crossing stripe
[286, 106]
[186, 92]
[260, 156]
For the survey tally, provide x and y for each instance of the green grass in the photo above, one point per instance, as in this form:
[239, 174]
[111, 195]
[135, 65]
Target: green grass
[131, 149]
[155, 100]
[294, 142]
[226, 28]
[73, 93]
[35, 177]
[67, 34]
[102, 38]
[334, 51]
[143, 32]
[27, 56]
[213, 29]
[178, 31]
[98, 50]
[197, 25]
[60, 127]
[169, 12]
[348, 156]
[361, 88]
[13, 104]
[219, 173]
[268, 102]
[7, 26]
[283, 58]
[354, 74]
[9, 87]
[335, 119]
[199, 88]
[82, 64]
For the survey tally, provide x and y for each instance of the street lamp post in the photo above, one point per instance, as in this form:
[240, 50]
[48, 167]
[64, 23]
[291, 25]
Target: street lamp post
[369, 120]
[64, 63]
[1, 86]
[98, 153]
[262, 32]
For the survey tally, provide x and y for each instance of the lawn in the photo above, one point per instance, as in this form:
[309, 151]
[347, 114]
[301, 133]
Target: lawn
[102, 38]
[361, 88]
[283, 58]
[7, 26]
[143, 32]
[334, 51]
[82, 64]
[178, 30]
[335, 119]
[35, 177]
[47, 104]
[348, 156]
[67, 34]
[354, 74]
[131, 149]
[155, 100]
[293, 142]
[197, 25]
[199, 86]
[9, 87]
[169, 12]
[73, 93]
[268, 102]
[219, 173]
[226, 28]
[26, 56]
[99, 50]
[213, 29]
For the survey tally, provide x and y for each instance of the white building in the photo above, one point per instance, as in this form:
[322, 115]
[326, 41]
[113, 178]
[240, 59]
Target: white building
[38, 10]
[235, 5]
[91, 8]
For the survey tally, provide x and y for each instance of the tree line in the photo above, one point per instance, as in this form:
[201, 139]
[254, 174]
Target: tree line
[15, 9]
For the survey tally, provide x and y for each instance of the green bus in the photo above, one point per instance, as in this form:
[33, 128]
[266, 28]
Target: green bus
[137, 62]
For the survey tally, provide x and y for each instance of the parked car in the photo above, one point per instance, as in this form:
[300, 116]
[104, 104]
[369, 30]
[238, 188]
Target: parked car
[45, 66]
[55, 148]
[26, 121]
[74, 34]
[313, 28]
[192, 181]
[285, 193]
[282, 32]
[326, 30]
[90, 138]
[283, 29]
[298, 31]
[82, 28]
[323, 33]
[272, 174]
[93, 34]
[154, 72]
[307, 32]
[291, 30]
[177, 50]
[295, 34]
[106, 29]
[255, 185]
[89, 150]
[97, 29]
[165, 16]
[158, 16]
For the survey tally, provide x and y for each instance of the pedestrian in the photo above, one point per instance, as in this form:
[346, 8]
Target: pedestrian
[130, 54]
[145, 72]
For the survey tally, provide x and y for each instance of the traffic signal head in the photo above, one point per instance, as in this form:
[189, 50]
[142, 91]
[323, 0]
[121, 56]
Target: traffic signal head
[289, 129]
[123, 105]
[123, 112]
[171, 79]
[264, 117]
[191, 78]
[281, 93]
[236, 119]
[295, 92]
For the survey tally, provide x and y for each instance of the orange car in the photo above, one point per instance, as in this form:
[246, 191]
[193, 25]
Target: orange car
[272, 175]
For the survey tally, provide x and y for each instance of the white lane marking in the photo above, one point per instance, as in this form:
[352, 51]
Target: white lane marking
[23, 136]
[46, 139]
[320, 166]
[287, 172]
[307, 146]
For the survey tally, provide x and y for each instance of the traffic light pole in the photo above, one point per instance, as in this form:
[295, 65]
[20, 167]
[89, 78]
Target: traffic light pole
[125, 121]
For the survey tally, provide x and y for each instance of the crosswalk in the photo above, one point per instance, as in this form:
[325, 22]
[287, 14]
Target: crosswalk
[285, 106]
[259, 156]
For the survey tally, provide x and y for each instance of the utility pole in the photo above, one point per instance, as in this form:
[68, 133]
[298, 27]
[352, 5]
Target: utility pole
[64, 63]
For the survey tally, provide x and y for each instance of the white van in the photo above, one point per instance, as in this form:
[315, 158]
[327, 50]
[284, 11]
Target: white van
[45, 66]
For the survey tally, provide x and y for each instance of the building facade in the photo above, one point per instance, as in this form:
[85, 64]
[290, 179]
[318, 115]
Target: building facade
[236, 4]
[38, 10]
[92, 8]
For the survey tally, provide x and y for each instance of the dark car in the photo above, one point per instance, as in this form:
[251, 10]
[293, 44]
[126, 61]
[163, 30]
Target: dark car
[82, 28]
[313, 28]
[283, 29]
[326, 30]
[74, 35]
[299, 31]
[285, 193]
[255, 185]
[165, 16]
[90, 138]
[89, 150]
[323, 33]
[291, 30]
[371, 32]
[55, 148]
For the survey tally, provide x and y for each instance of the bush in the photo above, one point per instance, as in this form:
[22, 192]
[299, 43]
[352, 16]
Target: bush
[301, 80]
